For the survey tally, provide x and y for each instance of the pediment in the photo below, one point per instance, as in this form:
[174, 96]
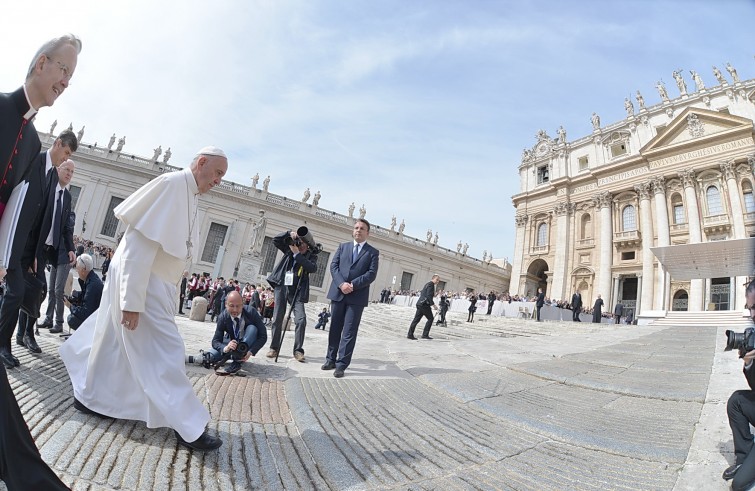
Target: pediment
[696, 125]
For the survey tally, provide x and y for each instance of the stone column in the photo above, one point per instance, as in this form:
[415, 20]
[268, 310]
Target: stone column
[615, 295]
[696, 292]
[737, 213]
[561, 246]
[663, 280]
[516, 267]
[603, 203]
[646, 227]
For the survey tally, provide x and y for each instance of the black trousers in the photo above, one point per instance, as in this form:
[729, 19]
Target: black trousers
[538, 307]
[741, 412]
[422, 311]
[442, 319]
[21, 466]
[575, 315]
[14, 294]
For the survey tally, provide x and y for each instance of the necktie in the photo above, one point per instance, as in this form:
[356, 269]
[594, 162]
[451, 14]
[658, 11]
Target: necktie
[57, 220]
[236, 327]
[355, 254]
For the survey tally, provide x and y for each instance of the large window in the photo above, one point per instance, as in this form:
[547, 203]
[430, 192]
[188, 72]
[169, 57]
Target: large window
[75, 192]
[269, 251]
[542, 235]
[406, 281]
[542, 174]
[110, 225]
[215, 239]
[586, 227]
[678, 208]
[323, 269]
[748, 198]
[628, 219]
[713, 197]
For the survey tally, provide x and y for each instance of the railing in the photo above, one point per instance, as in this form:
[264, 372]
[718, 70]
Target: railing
[679, 227]
[716, 220]
[540, 249]
[282, 201]
[583, 243]
[331, 215]
[626, 235]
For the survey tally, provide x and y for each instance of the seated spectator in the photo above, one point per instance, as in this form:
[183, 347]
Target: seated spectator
[322, 319]
[88, 300]
[240, 334]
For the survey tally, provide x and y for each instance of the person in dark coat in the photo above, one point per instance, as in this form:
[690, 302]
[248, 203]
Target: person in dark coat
[472, 307]
[618, 312]
[425, 306]
[181, 292]
[491, 301]
[444, 304]
[597, 310]
[576, 306]
[539, 302]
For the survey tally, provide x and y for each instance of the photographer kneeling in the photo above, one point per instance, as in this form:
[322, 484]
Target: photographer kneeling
[240, 333]
[88, 300]
[741, 407]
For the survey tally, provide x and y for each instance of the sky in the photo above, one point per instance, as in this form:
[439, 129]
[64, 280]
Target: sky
[418, 109]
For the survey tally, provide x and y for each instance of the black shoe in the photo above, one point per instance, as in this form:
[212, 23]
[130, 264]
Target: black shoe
[426, 337]
[329, 365]
[56, 329]
[204, 442]
[45, 325]
[81, 407]
[31, 344]
[7, 359]
[410, 336]
[20, 341]
[339, 372]
[233, 367]
[731, 471]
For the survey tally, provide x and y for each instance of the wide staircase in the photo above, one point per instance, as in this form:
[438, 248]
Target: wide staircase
[731, 319]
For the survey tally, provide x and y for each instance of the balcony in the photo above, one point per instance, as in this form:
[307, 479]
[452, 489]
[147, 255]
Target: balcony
[540, 250]
[585, 243]
[716, 224]
[750, 217]
[627, 240]
[679, 228]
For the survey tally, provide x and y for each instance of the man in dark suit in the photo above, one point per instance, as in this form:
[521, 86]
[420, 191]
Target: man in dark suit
[576, 306]
[353, 268]
[239, 333]
[291, 275]
[425, 304]
[256, 301]
[21, 466]
[491, 301]
[539, 302]
[58, 251]
[618, 312]
[182, 293]
[88, 299]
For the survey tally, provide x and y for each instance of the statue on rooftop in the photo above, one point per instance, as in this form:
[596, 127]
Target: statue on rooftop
[121, 142]
[316, 199]
[677, 74]
[54, 124]
[266, 183]
[255, 180]
[662, 90]
[733, 72]
[595, 120]
[167, 155]
[699, 85]
[640, 100]
[629, 107]
[111, 142]
[719, 76]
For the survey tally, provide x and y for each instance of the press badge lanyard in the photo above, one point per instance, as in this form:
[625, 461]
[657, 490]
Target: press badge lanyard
[289, 281]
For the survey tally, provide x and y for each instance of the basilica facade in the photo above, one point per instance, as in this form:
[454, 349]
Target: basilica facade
[237, 222]
[589, 211]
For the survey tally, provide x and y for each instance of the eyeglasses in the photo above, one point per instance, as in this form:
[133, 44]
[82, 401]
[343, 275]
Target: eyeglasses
[63, 68]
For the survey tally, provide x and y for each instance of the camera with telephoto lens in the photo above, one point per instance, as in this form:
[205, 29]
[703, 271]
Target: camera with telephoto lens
[289, 241]
[202, 359]
[241, 348]
[741, 341]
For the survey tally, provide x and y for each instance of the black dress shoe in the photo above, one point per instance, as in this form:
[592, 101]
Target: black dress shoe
[81, 407]
[339, 372]
[204, 442]
[328, 366]
[56, 329]
[7, 359]
[31, 344]
[411, 337]
[731, 471]
[45, 325]
[426, 337]
[20, 341]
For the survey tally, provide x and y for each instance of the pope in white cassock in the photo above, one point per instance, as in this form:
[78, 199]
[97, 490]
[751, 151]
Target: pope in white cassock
[126, 361]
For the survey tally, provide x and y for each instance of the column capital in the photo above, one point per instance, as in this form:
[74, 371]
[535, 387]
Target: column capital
[521, 220]
[659, 184]
[751, 162]
[603, 200]
[687, 177]
[727, 168]
[564, 208]
[643, 189]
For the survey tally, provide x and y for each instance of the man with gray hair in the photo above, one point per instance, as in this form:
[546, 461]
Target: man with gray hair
[51, 69]
[85, 302]
[127, 361]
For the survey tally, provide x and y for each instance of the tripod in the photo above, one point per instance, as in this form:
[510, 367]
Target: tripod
[287, 322]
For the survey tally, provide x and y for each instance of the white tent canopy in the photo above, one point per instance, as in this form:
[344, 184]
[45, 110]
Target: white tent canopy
[717, 259]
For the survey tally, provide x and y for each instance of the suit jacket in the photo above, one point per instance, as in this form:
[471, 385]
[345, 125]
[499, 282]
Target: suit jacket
[426, 297]
[256, 301]
[182, 292]
[540, 299]
[66, 230]
[576, 301]
[301, 264]
[360, 274]
[91, 294]
[224, 328]
[619, 309]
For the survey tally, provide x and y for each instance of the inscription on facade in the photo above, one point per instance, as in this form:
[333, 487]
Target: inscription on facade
[703, 152]
[623, 175]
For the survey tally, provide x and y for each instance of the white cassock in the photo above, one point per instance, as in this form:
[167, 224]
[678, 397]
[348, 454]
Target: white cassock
[141, 375]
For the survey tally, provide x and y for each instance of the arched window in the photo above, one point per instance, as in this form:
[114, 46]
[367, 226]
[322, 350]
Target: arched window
[677, 207]
[585, 230]
[542, 235]
[713, 197]
[747, 195]
[628, 219]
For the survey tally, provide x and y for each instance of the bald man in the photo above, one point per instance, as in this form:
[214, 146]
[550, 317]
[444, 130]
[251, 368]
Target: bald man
[127, 361]
[240, 334]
